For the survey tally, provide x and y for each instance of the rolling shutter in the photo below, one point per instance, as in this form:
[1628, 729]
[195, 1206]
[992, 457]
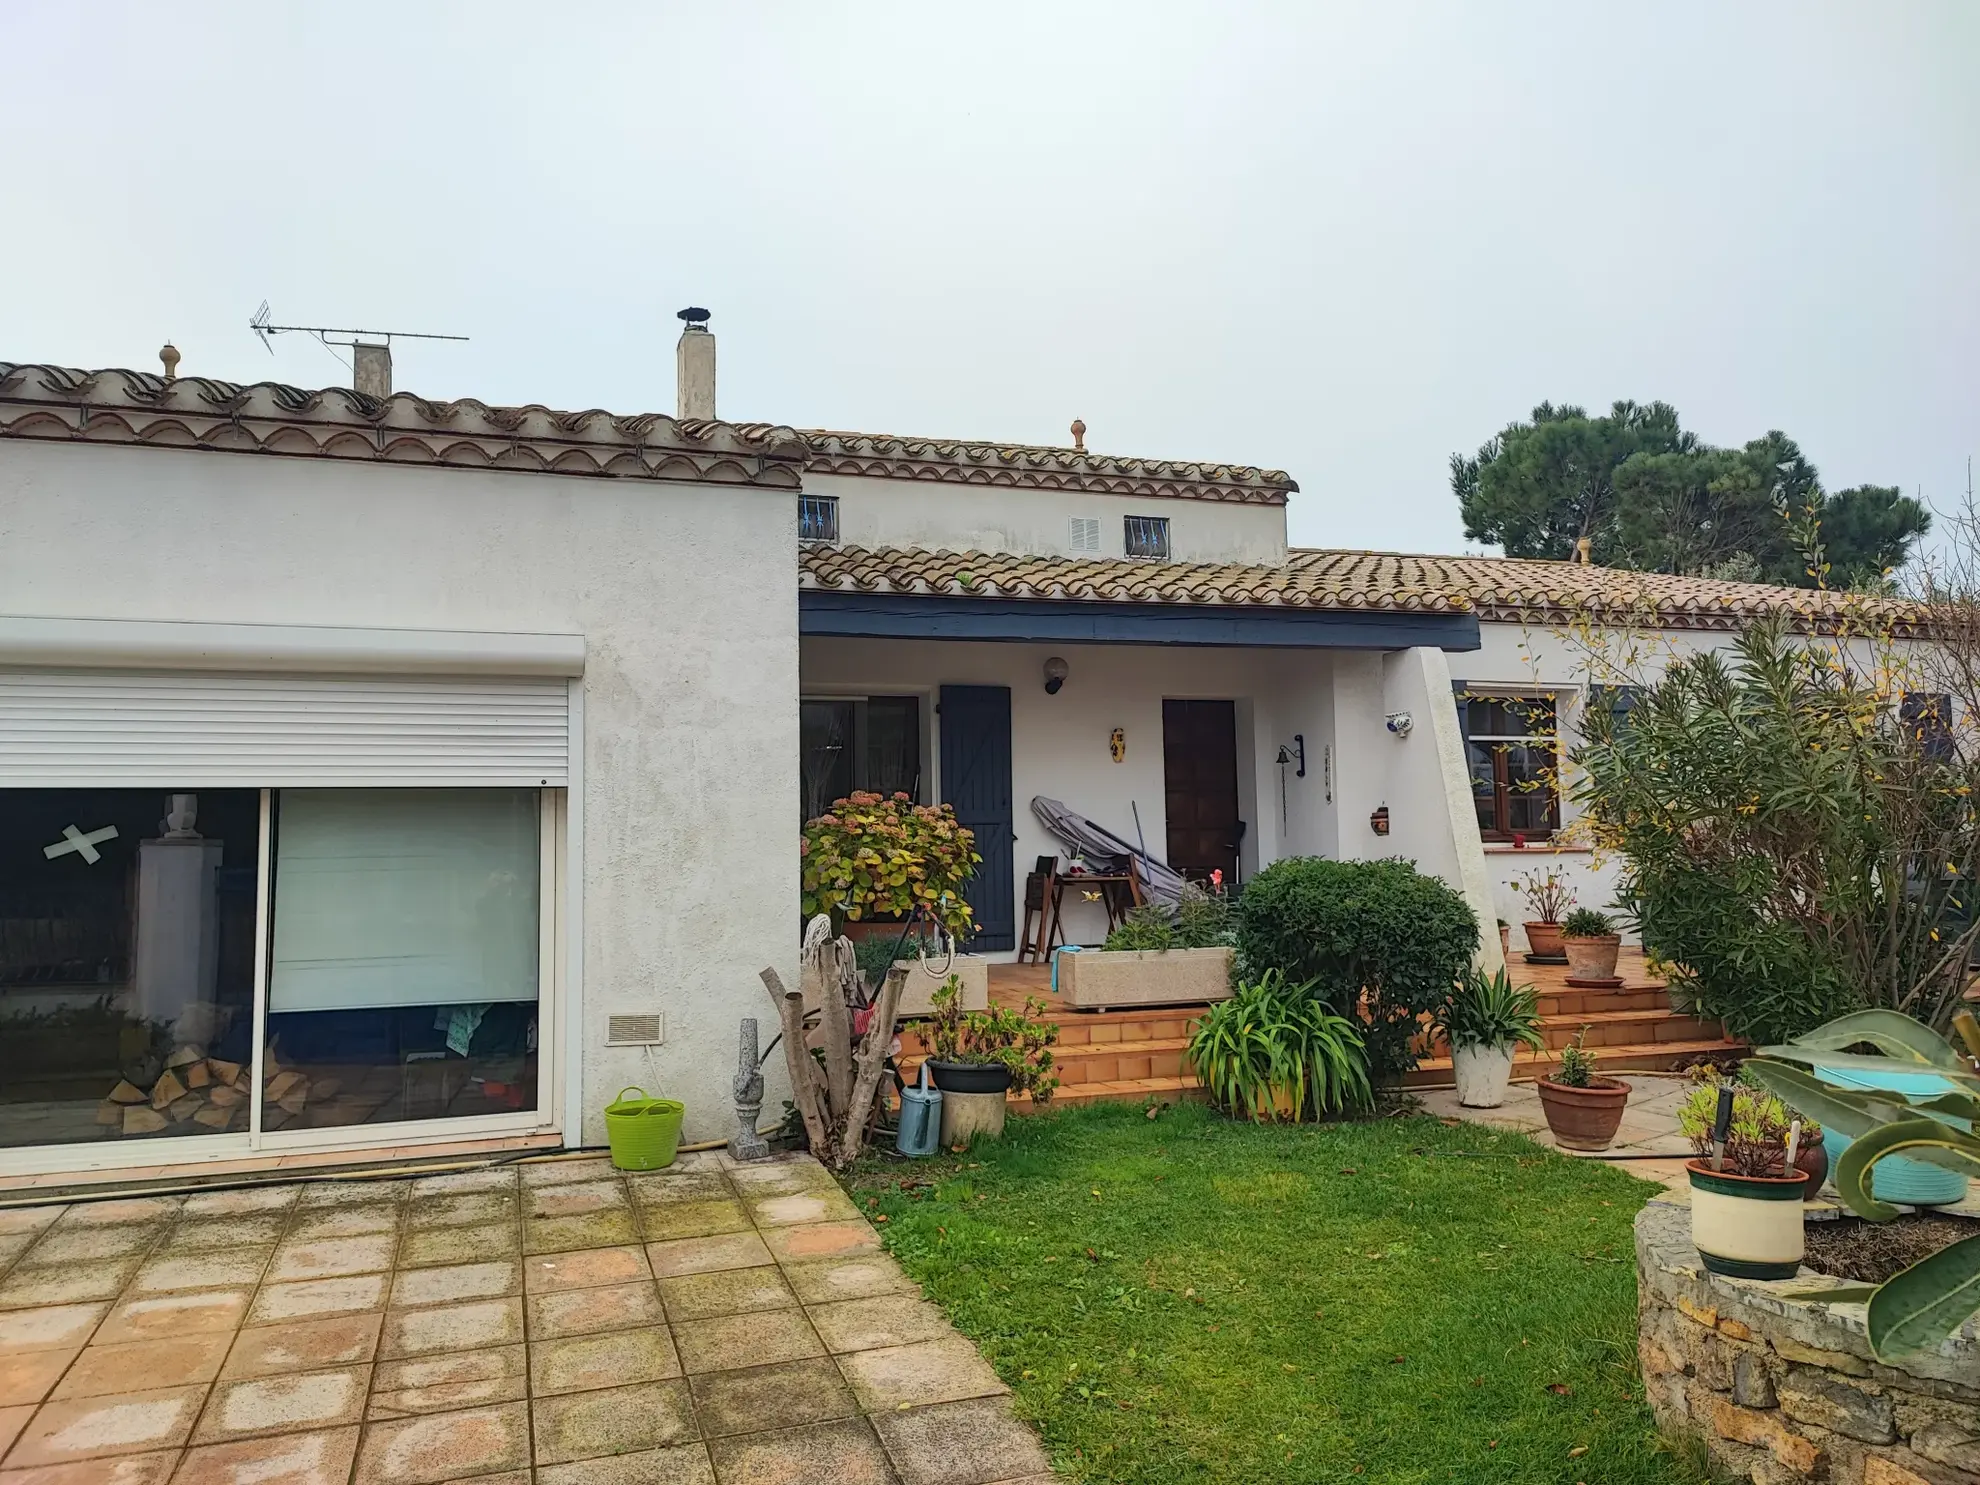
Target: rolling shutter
[183, 731]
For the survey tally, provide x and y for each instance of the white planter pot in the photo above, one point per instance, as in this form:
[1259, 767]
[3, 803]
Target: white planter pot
[1482, 1074]
[1746, 1226]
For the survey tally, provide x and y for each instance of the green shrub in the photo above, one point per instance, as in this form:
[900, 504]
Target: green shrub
[875, 857]
[1203, 920]
[1274, 1050]
[1379, 940]
[1146, 928]
[1587, 923]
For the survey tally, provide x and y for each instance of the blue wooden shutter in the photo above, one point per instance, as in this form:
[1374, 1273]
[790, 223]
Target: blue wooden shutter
[976, 783]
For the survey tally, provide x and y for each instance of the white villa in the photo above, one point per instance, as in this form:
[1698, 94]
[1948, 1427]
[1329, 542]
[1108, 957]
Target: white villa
[380, 773]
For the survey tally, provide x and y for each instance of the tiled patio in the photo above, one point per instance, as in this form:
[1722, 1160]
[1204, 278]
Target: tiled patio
[551, 1321]
[1647, 1143]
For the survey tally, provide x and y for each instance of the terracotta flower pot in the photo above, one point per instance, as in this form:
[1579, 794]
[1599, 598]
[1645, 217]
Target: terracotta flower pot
[1584, 1118]
[1748, 1227]
[1544, 939]
[1812, 1156]
[1505, 939]
[1592, 958]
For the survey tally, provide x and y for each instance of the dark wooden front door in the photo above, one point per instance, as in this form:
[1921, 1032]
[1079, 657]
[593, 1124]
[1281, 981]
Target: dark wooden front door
[976, 781]
[1199, 768]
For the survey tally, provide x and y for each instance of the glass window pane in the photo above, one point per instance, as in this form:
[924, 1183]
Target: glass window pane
[403, 963]
[126, 963]
[893, 745]
[1530, 780]
[825, 764]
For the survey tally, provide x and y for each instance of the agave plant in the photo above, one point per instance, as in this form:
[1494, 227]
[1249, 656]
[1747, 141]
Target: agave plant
[1274, 1050]
[1489, 1011]
[1934, 1297]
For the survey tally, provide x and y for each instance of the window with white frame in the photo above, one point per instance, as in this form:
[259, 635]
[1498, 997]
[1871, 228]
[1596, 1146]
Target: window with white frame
[818, 518]
[1512, 748]
[1147, 536]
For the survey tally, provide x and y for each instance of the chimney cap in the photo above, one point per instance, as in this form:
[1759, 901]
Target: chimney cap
[1079, 434]
[168, 355]
[693, 316]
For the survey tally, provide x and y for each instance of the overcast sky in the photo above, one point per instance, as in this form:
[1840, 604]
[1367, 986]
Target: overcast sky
[1340, 240]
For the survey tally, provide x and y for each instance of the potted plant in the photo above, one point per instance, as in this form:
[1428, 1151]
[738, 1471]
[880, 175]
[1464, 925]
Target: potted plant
[1548, 896]
[1485, 1019]
[1275, 1051]
[998, 1052]
[1746, 1213]
[1505, 938]
[1582, 1109]
[1591, 943]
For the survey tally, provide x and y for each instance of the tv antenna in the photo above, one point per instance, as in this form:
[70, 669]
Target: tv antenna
[260, 324]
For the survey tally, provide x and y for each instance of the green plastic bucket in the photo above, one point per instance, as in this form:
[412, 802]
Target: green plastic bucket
[643, 1132]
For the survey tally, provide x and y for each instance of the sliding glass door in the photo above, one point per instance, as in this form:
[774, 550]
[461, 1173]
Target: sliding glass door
[243, 968]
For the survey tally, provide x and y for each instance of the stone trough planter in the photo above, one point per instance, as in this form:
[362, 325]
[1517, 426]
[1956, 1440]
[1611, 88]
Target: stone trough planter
[917, 997]
[1784, 1390]
[1097, 979]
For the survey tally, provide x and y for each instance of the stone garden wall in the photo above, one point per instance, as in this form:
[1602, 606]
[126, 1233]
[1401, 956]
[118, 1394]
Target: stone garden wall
[1784, 1391]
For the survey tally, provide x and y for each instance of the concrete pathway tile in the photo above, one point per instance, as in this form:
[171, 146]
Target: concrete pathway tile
[29, 1377]
[843, 1453]
[229, 1269]
[319, 1458]
[462, 1209]
[51, 1328]
[246, 1202]
[780, 1177]
[448, 1383]
[352, 1193]
[618, 1420]
[703, 1255]
[284, 1404]
[445, 1446]
[801, 1207]
[125, 1469]
[684, 1464]
[117, 1212]
[463, 1327]
[135, 1366]
[589, 1311]
[99, 1427]
[689, 1219]
[848, 1278]
[303, 1346]
[565, 1171]
[960, 1443]
[947, 1370]
[449, 1285]
[576, 1199]
[869, 1324]
[821, 1240]
[492, 1178]
[443, 1245]
[18, 1220]
[568, 1234]
[11, 1247]
[585, 1269]
[616, 1358]
[164, 1316]
[332, 1258]
[89, 1244]
[700, 1160]
[339, 1222]
[35, 1288]
[787, 1395]
[314, 1297]
[12, 1421]
[212, 1234]
[745, 1340]
[729, 1291]
[668, 1188]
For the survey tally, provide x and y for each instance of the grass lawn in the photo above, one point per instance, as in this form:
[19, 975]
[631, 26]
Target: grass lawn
[1185, 1298]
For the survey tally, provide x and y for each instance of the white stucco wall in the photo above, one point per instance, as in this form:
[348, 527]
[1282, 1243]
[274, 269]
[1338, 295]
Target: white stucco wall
[684, 595]
[1059, 744]
[876, 512]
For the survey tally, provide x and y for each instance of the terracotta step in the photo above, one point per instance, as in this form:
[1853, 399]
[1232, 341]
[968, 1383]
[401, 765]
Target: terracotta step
[1627, 1028]
[1136, 1090]
[1080, 1029]
[1435, 1072]
[1596, 1002]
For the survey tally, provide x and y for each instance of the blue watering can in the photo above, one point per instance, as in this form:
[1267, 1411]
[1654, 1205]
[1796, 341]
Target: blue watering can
[921, 1118]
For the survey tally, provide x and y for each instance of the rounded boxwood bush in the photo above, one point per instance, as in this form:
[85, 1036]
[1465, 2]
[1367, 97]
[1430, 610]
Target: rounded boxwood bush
[1380, 927]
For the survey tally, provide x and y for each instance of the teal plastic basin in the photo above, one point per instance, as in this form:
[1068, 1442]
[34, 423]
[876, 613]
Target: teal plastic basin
[1911, 1183]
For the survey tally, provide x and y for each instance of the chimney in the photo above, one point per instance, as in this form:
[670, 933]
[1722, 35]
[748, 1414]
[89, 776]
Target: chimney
[371, 369]
[168, 356]
[1582, 548]
[694, 366]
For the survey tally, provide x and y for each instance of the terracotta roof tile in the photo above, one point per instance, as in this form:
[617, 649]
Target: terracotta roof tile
[136, 407]
[1495, 588]
[1028, 466]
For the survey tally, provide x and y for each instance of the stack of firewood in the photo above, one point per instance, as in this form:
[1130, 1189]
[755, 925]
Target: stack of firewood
[211, 1092]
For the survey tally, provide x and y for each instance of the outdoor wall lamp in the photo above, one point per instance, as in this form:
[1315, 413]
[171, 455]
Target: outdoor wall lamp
[1056, 671]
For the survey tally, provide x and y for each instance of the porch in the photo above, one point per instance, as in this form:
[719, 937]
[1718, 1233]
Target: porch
[1141, 1053]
